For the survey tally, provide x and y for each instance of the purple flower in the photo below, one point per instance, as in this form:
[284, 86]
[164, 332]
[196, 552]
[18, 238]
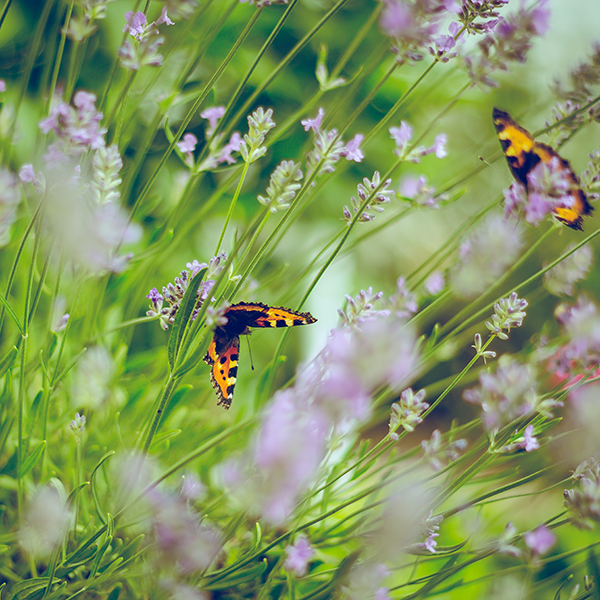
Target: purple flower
[540, 540]
[298, 556]
[420, 192]
[212, 114]
[2, 85]
[401, 135]
[188, 144]
[530, 442]
[435, 283]
[164, 18]
[314, 124]
[352, 150]
[136, 23]
[232, 146]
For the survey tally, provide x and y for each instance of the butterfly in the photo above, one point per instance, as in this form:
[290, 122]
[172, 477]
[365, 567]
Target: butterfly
[224, 349]
[523, 153]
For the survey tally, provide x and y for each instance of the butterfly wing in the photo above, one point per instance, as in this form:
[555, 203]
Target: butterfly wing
[523, 153]
[222, 356]
[257, 314]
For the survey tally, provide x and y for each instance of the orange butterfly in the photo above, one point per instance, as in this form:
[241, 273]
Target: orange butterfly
[523, 153]
[223, 351]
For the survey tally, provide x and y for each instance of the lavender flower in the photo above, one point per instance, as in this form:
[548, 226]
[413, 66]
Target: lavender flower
[366, 190]
[259, 124]
[581, 327]
[314, 124]
[561, 279]
[429, 530]
[584, 503]
[328, 148]
[539, 541]
[45, 523]
[77, 129]
[404, 303]
[508, 312]
[402, 136]
[478, 345]
[298, 556]
[105, 180]
[188, 144]
[10, 197]
[352, 150]
[78, 426]
[485, 255]
[435, 283]
[420, 193]
[440, 454]
[283, 186]
[143, 48]
[212, 114]
[360, 309]
[407, 413]
[509, 393]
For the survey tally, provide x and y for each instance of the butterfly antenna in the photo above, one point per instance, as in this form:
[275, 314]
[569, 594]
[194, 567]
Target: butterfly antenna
[250, 352]
[485, 162]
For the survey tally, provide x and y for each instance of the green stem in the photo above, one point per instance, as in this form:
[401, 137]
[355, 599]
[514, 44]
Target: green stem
[164, 399]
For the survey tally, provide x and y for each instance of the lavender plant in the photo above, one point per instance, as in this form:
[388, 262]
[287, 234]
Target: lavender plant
[433, 434]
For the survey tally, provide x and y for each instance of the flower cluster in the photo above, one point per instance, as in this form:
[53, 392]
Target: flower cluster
[368, 190]
[360, 309]
[105, 180]
[259, 124]
[508, 393]
[283, 185]
[509, 40]
[560, 280]
[508, 312]
[173, 293]
[584, 503]
[439, 453]
[407, 413]
[581, 328]
[418, 192]
[142, 48]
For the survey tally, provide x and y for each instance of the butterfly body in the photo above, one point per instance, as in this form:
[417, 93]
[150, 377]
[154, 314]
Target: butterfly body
[523, 154]
[223, 351]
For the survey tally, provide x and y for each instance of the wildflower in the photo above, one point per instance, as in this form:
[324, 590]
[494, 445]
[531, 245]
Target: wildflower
[485, 255]
[157, 310]
[508, 312]
[429, 530]
[365, 582]
[403, 303]
[233, 145]
[144, 49]
[78, 426]
[352, 150]
[441, 50]
[402, 136]
[183, 541]
[215, 316]
[590, 178]
[77, 129]
[10, 197]
[407, 413]
[439, 454]
[283, 461]
[46, 521]
[259, 124]
[105, 180]
[507, 40]
[283, 186]
[539, 541]
[298, 556]
[314, 124]
[420, 192]
[328, 148]
[61, 324]
[212, 114]
[188, 144]
[367, 190]
[581, 327]
[507, 394]
[478, 345]
[87, 233]
[435, 283]
[560, 279]
[92, 378]
[412, 26]
[360, 309]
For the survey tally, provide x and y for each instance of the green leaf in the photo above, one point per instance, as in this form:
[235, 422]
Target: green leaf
[11, 313]
[164, 437]
[186, 307]
[7, 360]
[97, 502]
[30, 587]
[32, 459]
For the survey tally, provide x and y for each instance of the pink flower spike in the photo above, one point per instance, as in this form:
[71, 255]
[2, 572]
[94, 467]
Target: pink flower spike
[164, 18]
[314, 124]
[352, 150]
[188, 144]
[298, 556]
[540, 540]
